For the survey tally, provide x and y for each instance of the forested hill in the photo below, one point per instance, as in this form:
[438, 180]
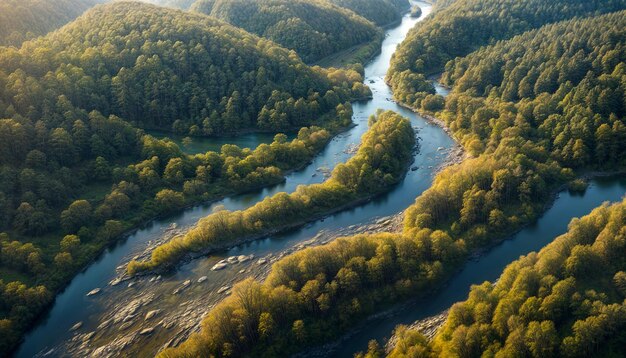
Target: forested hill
[465, 25]
[177, 4]
[163, 68]
[22, 20]
[380, 12]
[313, 28]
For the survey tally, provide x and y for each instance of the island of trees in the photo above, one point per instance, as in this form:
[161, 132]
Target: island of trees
[381, 161]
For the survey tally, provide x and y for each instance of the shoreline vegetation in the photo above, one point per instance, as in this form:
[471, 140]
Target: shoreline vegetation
[380, 162]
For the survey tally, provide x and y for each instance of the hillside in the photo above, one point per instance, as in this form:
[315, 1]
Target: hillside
[177, 4]
[465, 25]
[313, 28]
[21, 20]
[380, 12]
[160, 68]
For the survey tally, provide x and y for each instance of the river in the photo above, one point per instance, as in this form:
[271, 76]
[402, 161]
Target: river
[111, 322]
[489, 266]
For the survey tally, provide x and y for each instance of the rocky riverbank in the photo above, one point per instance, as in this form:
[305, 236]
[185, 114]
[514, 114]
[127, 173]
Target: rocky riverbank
[151, 313]
[427, 327]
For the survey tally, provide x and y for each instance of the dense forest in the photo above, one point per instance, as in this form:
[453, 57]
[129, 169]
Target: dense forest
[169, 75]
[463, 26]
[313, 28]
[382, 160]
[76, 172]
[22, 20]
[177, 4]
[380, 12]
[521, 154]
[568, 301]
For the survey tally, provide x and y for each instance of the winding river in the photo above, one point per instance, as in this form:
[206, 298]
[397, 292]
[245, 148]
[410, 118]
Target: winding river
[141, 316]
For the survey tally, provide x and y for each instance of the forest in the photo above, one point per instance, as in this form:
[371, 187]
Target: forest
[537, 100]
[518, 145]
[568, 300]
[76, 167]
[22, 20]
[462, 27]
[381, 161]
[380, 12]
[312, 28]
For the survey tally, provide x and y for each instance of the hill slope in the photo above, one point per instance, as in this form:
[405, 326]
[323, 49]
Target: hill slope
[21, 20]
[313, 28]
[177, 4]
[380, 12]
[465, 25]
[167, 69]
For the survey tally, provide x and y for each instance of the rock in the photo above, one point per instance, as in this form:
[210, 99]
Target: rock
[95, 291]
[202, 279]
[152, 314]
[88, 336]
[129, 317]
[414, 169]
[125, 325]
[262, 261]
[223, 289]
[182, 287]
[76, 326]
[104, 324]
[219, 266]
[147, 331]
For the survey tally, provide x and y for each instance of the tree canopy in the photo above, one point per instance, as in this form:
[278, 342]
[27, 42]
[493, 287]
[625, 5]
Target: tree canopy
[313, 28]
[464, 25]
[22, 20]
[568, 300]
[380, 12]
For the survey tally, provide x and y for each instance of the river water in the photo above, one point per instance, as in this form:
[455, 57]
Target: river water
[111, 321]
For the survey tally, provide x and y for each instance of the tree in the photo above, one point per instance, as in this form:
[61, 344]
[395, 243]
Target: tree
[169, 200]
[70, 243]
[78, 214]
